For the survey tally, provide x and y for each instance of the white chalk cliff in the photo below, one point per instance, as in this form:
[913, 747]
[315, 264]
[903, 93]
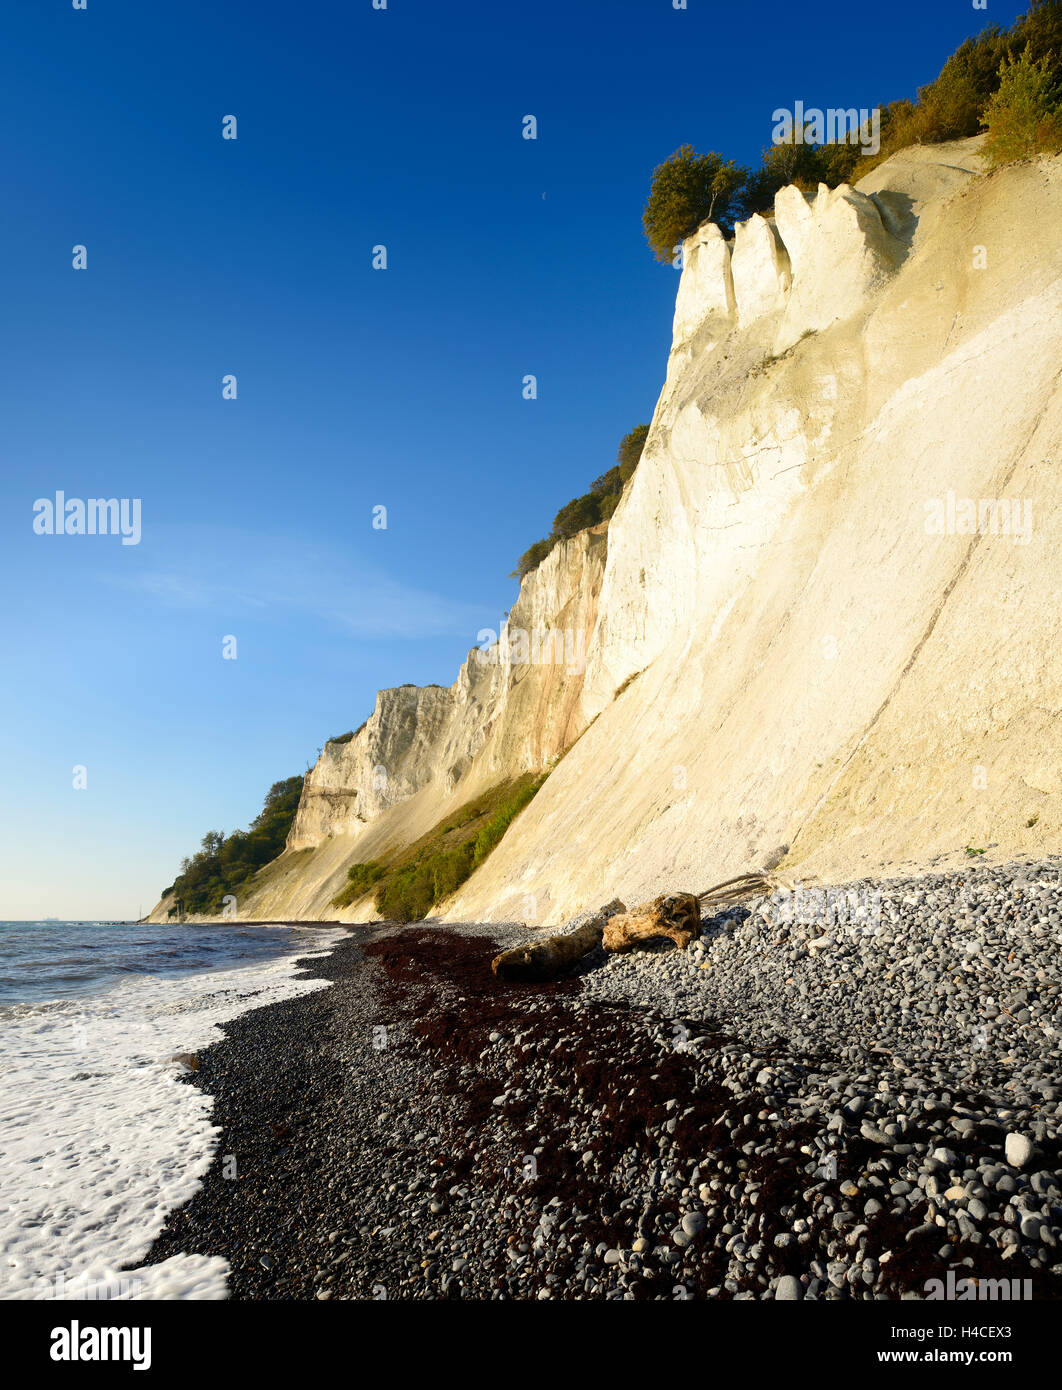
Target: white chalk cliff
[794, 635]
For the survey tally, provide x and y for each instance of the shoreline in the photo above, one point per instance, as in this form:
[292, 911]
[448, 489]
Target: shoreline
[102, 1138]
[708, 1120]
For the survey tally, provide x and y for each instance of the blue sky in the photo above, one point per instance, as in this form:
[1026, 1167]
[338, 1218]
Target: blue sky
[356, 387]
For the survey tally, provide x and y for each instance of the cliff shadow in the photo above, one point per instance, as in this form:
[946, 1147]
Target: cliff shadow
[898, 217]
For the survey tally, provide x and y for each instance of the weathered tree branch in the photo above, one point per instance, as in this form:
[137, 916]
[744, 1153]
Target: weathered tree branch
[674, 915]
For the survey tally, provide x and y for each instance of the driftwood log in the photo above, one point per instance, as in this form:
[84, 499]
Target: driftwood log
[677, 915]
[544, 960]
[674, 915]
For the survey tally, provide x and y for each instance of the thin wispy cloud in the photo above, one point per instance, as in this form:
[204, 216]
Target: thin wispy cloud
[256, 573]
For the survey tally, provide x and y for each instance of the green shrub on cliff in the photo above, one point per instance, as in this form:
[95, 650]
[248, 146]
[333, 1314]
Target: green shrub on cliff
[435, 866]
[1024, 116]
[360, 878]
[959, 102]
[804, 164]
[628, 454]
[577, 515]
[955, 104]
[532, 558]
[225, 863]
[490, 834]
[592, 507]
[1040, 30]
[950, 107]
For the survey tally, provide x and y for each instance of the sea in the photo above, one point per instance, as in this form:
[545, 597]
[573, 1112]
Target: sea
[99, 1136]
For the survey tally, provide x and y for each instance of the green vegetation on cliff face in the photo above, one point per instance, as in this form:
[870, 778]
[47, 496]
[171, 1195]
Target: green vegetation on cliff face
[410, 885]
[1024, 116]
[228, 863]
[957, 103]
[1006, 81]
[594, 506]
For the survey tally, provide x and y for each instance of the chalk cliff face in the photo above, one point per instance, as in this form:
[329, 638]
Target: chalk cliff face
[825, 615]
[516, 705]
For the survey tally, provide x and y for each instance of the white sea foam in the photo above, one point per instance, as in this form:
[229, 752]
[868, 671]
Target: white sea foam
[99, 1138]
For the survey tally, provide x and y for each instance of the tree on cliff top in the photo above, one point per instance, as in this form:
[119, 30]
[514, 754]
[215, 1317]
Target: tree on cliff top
[227, 862]
[1024, 116]
[688, 189]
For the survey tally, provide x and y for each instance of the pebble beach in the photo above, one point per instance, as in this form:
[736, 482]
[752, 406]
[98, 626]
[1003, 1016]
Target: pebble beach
[821, 1098]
